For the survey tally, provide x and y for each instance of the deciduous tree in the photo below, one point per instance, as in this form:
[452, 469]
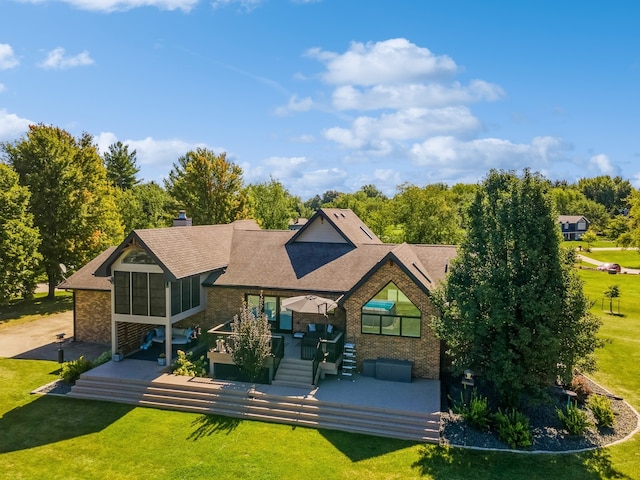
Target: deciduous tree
[19, 239]
[513, 309]
[209, 187]
[428, 214]
[251, 340]
[613, 291]
[272, 205]
[71, 200]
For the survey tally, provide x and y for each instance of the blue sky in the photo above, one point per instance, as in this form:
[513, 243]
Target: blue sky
[335, 94]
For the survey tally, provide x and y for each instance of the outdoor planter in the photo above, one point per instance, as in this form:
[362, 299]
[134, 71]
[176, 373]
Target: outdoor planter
[162, 361]
[116, 357]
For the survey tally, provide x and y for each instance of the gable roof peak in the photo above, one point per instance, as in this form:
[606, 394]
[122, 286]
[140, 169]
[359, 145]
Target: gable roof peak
[335, 225]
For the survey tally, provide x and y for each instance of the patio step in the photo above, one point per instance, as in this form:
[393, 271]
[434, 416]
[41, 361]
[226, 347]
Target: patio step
[239, 400]
[294, 372]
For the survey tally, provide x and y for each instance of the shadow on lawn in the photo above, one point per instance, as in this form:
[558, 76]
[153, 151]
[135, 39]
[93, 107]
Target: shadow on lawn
[209, 424]
[359, 447]
[37, 306]
[50, 419]
[440, 462]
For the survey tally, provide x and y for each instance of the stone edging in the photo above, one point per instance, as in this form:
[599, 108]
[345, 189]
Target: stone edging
[561, 452]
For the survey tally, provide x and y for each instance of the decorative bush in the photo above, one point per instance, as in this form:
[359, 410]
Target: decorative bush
[103, 358]
[573, 419]
[184, 365]
[72, 370]
[513, 428]
[477, 413]
[580, 385]
[601, 408]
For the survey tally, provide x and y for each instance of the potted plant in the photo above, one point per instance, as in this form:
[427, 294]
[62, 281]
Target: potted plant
[162, 359]
[117, 356]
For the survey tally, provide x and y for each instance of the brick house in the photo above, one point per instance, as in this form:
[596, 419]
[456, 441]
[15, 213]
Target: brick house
[573, 226]
[200, 275]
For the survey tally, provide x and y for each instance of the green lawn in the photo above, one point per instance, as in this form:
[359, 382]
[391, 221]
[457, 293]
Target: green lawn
[626, 258]
[20, 311]
[62, 438]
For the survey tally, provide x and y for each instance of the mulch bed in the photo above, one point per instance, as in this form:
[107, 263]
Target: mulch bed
[547, 433]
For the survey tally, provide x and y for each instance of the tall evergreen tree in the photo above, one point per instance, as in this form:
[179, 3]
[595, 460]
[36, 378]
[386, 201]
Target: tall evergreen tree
[513, 309]
[19, 239]
[121, 166]
[71, 201]
[209, 187]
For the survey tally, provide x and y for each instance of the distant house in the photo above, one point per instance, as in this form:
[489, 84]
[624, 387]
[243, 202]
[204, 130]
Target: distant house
[573, 226]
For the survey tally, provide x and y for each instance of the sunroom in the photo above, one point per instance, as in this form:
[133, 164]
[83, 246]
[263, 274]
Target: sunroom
[146, 304]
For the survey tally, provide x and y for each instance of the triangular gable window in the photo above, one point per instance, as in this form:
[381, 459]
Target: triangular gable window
[390, 312]
[138, 257]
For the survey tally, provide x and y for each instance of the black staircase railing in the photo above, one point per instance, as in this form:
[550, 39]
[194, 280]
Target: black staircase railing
[318, 358]
[277, 350]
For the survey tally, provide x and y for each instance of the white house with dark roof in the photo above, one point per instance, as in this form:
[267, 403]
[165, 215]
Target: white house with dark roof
[173, 279]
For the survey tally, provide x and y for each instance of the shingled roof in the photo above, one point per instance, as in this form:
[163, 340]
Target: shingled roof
[240, 254]
[268, 259]
[183, 251]
[84, 279]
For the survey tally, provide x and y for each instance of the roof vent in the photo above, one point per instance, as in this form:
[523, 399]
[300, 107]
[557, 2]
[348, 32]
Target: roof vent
[181, 220]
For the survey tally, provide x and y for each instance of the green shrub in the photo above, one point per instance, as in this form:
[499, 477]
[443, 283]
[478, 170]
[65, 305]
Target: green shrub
[573, 419]
[103, 358]
[513, 428]
[72, 370]
[477, 413]
[184, 365]
[601, 408]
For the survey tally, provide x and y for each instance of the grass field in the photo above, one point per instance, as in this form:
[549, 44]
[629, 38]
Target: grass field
[626, 258]
[61, 438]
[21, 311]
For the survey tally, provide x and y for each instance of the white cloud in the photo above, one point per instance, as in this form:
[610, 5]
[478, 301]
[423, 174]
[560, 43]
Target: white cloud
[304, 138]
[458, 157]
[295, 104]
[408, 124]
[56, 59]
[602, 164]
[7, 57]
[11, 126]
[387, 62]
[123, 5]
[432, 95]
[2, 87]
[154, 157]
[245, 5]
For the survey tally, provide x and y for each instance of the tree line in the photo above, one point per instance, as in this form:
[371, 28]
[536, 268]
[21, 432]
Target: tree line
[62, 202]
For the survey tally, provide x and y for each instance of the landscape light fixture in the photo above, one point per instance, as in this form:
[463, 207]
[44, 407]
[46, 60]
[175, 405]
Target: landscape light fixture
[60, 339]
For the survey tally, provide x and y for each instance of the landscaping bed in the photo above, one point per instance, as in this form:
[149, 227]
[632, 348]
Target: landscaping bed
[547, 432]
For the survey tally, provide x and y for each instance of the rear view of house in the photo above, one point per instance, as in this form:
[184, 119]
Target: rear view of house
[165, 279]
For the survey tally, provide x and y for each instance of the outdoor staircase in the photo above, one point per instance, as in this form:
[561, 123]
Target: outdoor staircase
[241, 400]
[294, 372]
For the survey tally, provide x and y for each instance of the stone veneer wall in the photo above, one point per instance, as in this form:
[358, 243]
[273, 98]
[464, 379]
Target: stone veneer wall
[92, 316]
[423, 351]
[223, 303]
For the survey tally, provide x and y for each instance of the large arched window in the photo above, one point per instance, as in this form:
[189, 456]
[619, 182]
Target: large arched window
[390, 312]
